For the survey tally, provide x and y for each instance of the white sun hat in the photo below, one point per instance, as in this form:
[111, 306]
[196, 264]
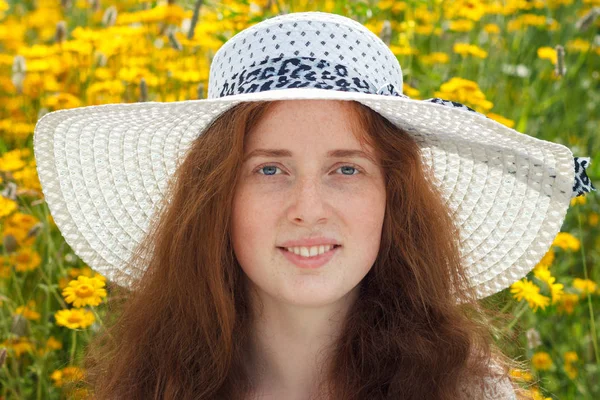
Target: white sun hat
[104, 169]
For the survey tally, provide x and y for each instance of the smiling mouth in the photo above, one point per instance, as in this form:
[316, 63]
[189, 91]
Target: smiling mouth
[335, 246]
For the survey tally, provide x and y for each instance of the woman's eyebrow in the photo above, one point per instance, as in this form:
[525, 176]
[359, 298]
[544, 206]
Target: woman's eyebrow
[338, 153]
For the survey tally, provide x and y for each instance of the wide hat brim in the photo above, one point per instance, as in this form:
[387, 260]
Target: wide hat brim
[104, 169]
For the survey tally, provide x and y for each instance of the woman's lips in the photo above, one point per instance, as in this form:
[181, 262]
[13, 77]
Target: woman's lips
[310, 262]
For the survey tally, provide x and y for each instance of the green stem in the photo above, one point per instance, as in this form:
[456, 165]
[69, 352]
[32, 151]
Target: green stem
[16, 369]
[73, 347]
[519, 314]
[506, 307]
[101, 323]
[39, 384]
[589, 297]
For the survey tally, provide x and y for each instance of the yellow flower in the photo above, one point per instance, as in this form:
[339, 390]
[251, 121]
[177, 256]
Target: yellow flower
[5, 269]
[392, 5]
[491, 28]
[134, 74]
[169, 13]
[19, 130]
[409, 90]
[425, 29]
[541, 360]
[585, 286]
[85, 291]
[570, 356]
[25, 259]
[462, 25]
[542, 272]
[12, 160]
[472, 9]
[435, 58]
[18, 225]
[521, 374]
[28, 178]
[570, 370]
[566, 241]
[21, 220]
[385, 4]
[525, 289]
[578, 44]
[593, 218]
[79, 394]
[3, 7]
[67, 375]
[464, 91]
[552, 4]
[578, 200]
[567, 303]
[74, 318]
[63, 282]
[399, 6]
[28, 312]
[465, 49]
[51, 344]
[61, 101]
[457, 83]
[403, 50]
[185, 76]
[547, 53]
[18, 345]
[7, 206]
[534, 19]
[505, 121]
[85, 271]
[537, 395]
[105, 88]
[103, 74]
[556, 290]
[548, 258]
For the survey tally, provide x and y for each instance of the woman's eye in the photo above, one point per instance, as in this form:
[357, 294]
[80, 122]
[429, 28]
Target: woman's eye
[349, 168]
[271, 170]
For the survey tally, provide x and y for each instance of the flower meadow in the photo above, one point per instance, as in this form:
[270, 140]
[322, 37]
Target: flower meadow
[531, 65]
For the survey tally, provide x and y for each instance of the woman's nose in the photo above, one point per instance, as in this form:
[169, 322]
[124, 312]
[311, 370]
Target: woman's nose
[307, 202]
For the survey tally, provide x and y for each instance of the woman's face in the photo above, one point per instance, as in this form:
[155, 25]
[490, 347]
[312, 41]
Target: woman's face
[305, 193]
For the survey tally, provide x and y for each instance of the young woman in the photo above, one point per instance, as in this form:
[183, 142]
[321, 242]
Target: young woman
[306, 232]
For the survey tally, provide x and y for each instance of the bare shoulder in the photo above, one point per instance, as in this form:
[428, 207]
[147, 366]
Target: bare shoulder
[490, 387]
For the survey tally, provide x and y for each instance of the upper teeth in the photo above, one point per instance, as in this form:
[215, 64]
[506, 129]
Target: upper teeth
[310, 251]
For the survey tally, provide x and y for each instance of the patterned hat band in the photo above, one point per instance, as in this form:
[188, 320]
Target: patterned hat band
[309, 72]
[301, 72]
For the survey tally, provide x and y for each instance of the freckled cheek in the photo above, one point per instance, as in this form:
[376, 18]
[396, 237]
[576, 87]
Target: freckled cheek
[368, 214]
[365, 212]
[255, 216]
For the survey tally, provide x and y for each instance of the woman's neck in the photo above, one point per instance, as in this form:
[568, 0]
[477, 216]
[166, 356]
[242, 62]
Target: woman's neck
[288, 349]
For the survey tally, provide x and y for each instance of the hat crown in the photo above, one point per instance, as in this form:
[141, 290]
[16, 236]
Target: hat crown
[304, 49]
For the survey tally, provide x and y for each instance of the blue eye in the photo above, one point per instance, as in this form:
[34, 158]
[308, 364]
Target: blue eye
[273, 169]
[351, 167]
[269, 167]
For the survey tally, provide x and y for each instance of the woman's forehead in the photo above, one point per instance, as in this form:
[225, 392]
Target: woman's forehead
[329, 123]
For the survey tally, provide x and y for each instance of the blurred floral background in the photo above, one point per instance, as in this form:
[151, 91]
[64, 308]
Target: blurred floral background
[531, 65]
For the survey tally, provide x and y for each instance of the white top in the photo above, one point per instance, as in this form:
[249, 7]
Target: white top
[496, 388]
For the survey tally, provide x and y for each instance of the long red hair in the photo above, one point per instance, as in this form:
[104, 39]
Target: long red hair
[182, 329]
